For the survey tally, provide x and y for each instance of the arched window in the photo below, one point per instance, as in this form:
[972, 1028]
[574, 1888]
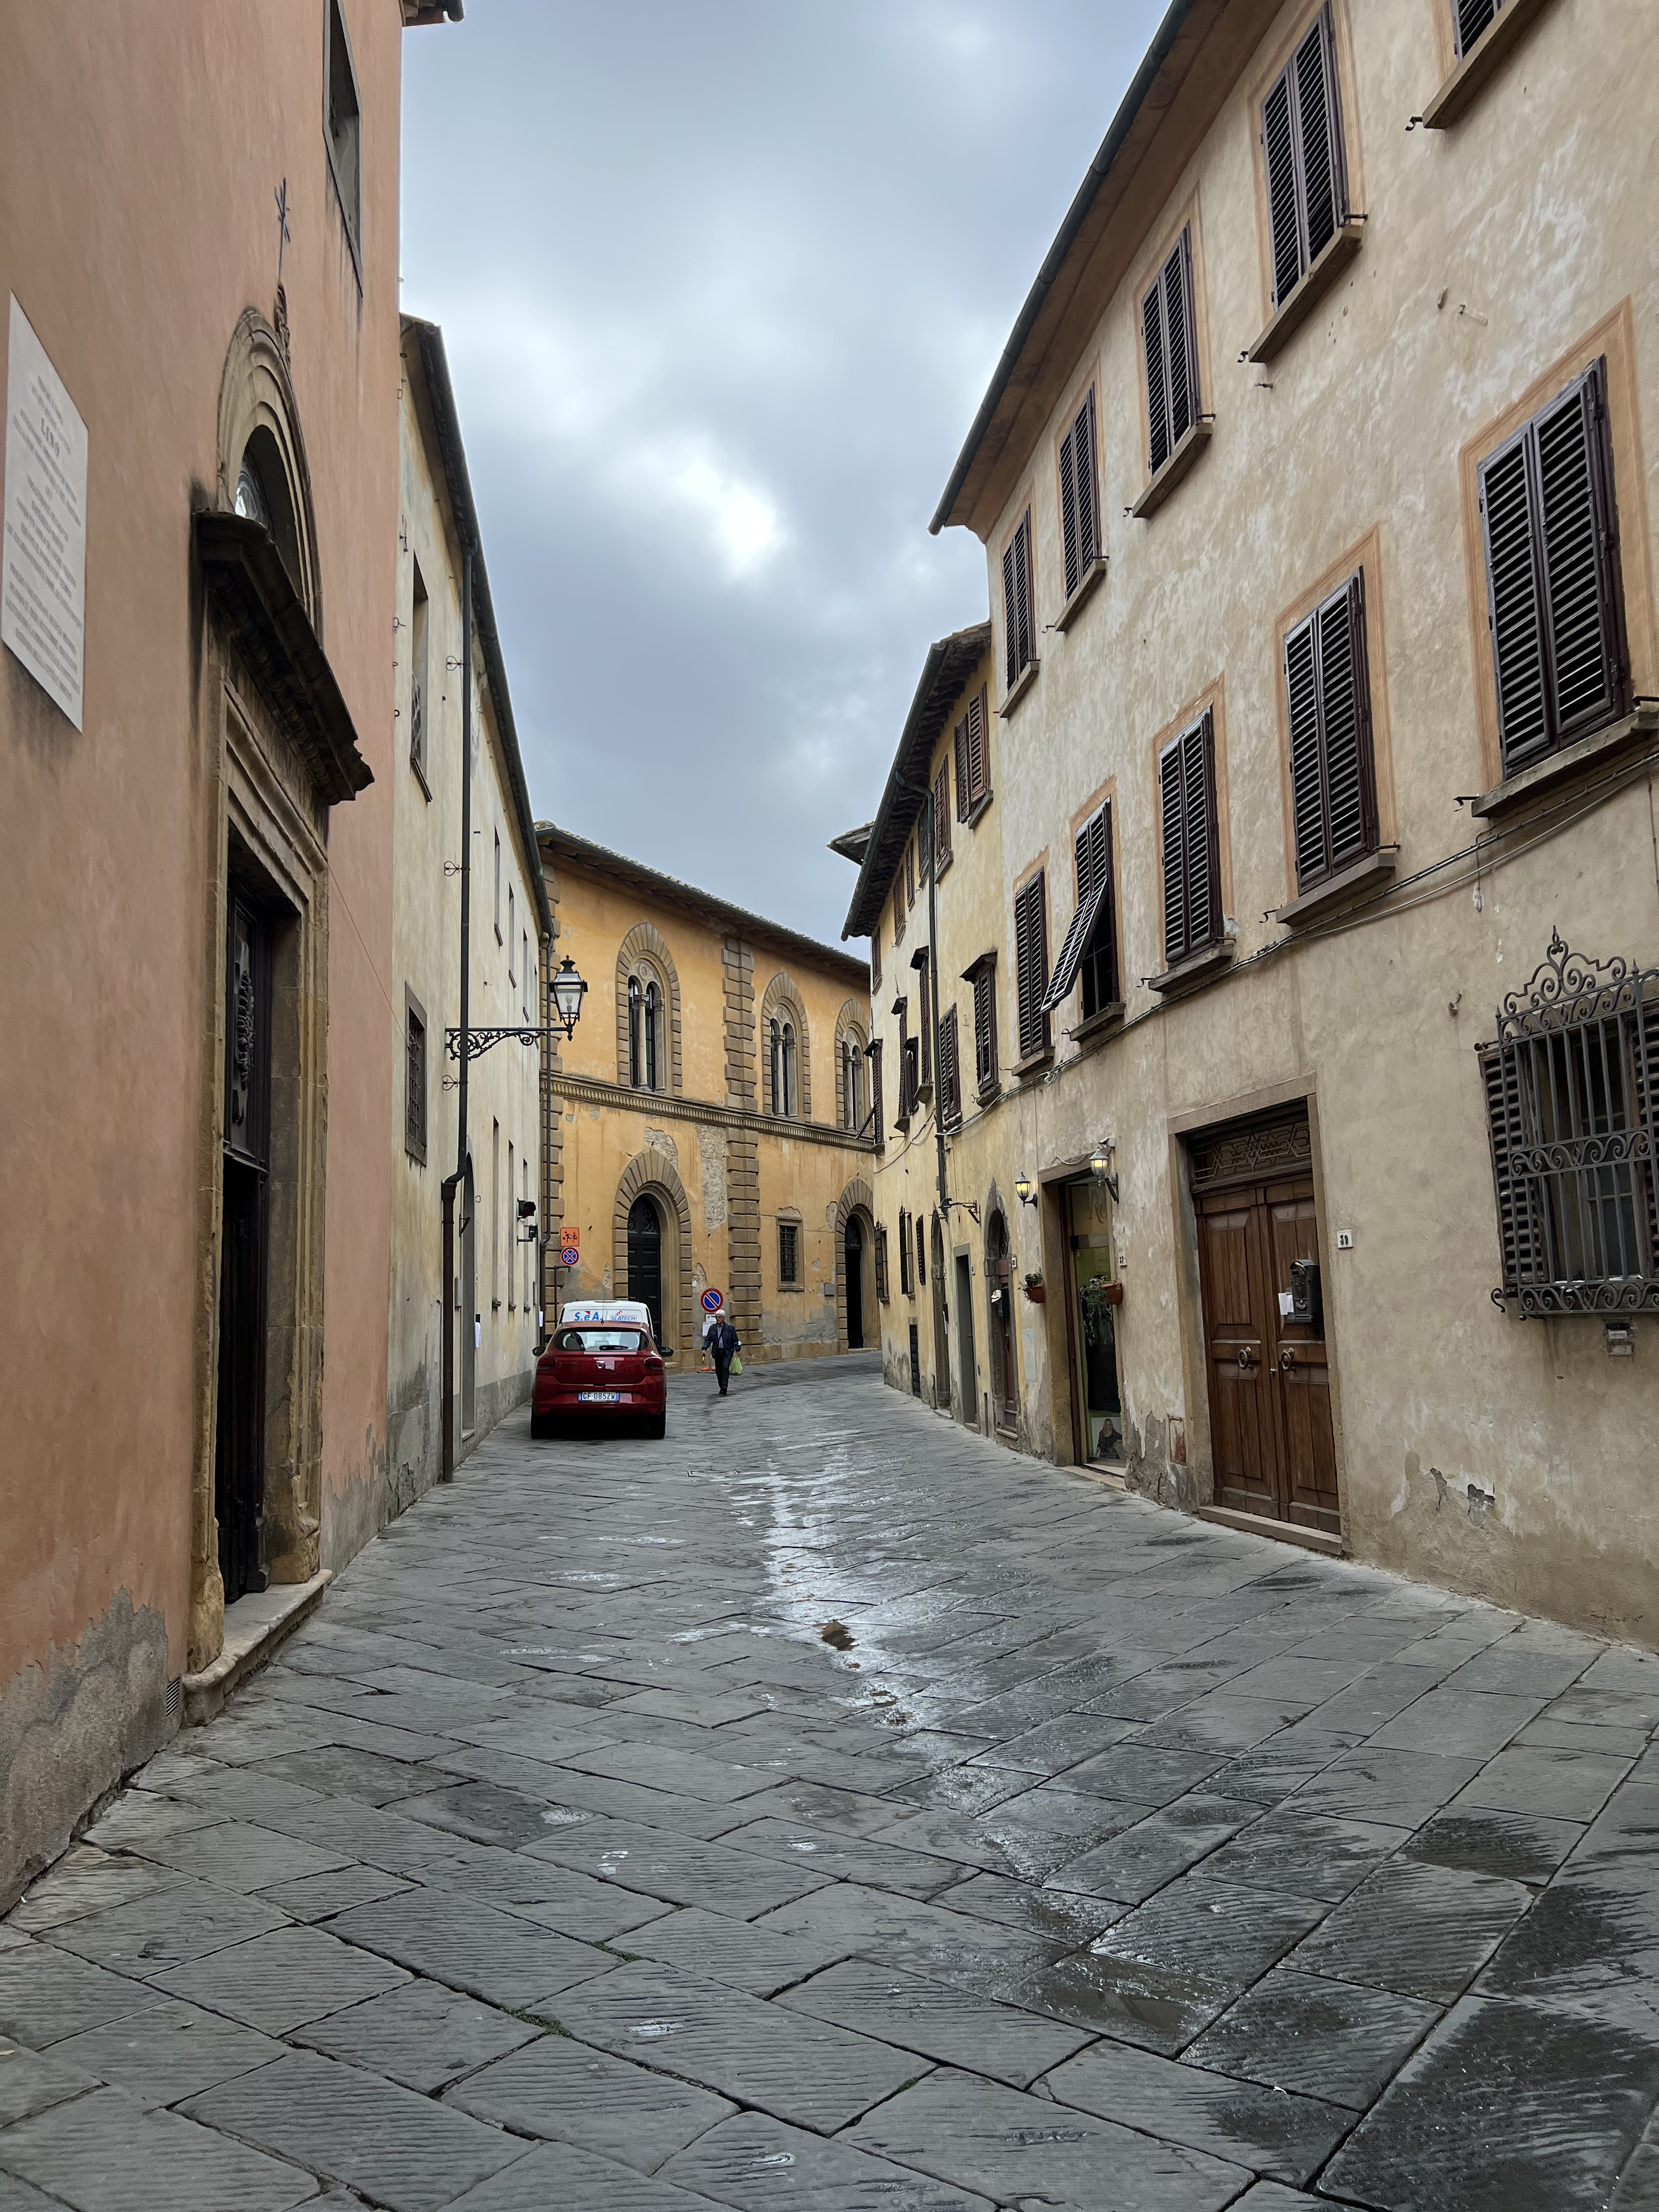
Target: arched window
[788, 1094]
[635, 1013]
[653, 1027]
[852, 1085]
[774, 1043]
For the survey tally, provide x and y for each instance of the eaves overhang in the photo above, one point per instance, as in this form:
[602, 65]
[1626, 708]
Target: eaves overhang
[263, 613]
[945, 673]
[1193, 63]
[428, 341]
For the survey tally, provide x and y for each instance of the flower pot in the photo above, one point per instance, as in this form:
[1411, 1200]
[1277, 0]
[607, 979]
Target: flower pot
[1112, 1294]
[1035, 1292]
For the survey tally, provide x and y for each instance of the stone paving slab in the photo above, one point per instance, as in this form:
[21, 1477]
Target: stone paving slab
[46, 1994]
[564, 2090]
[454, 1939]
[951, 2026]
[560, 2174]
[760, 2165]
[167, 2052]
[279, 1982]
[805, 2071]
[1010, 2147]
[30, 2083]
[680, 1870]
[105, 2154]
[420, 2034]
[400, 2149]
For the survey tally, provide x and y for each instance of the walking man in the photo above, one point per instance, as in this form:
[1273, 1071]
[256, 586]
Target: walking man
[723, 1347]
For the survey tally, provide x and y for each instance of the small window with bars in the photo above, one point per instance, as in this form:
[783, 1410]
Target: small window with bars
[1572, 1106]
[1089, 949]
[789, 1255]
[950, 1077]
[1471, 21]
[985, 1028]
[1302, 147]
[415, 1080]
[1555, 603]
[1169, 333]
[1031, 964]
[1080, 496]
[1018, 604]
[1191, 837]
[972, 756]
[1333, 774]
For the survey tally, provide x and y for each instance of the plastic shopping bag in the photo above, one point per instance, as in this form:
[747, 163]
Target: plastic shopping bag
[737, 1364]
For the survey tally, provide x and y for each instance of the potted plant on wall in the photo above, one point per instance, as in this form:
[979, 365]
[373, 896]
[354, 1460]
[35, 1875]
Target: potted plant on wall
[1034, 1288]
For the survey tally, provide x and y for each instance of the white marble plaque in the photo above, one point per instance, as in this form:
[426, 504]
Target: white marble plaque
[43, 582]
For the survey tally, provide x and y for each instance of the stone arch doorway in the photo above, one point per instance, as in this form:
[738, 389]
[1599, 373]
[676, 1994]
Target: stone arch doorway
[855, 1226]
[852, 1259]
[652, 1177]
[645, 1258]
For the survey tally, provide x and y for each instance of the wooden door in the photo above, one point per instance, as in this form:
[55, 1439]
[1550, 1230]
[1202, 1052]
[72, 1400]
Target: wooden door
[1272, 1442]
[244, 1240]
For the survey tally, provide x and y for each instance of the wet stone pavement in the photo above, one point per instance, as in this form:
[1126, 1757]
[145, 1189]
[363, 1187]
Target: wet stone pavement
[1118, 1860]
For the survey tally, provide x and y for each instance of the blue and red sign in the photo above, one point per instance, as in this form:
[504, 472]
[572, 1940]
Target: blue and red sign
[712, 1301]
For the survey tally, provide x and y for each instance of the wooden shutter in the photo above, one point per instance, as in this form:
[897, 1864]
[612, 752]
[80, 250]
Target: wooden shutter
[1080, 518]
[910, 874]
[1169, 331]
[950, 1082]
[1094, 871]
[1554, 602]
[925, 1025]
[1030, 965]
[985, 1029]
[905, 1100]
[959, 745]
[872, 1061]
[1191, 842]
[881, 1261]
[978, 756]
[905, 1252]
[1332, 779]
[1469, 18]
[1302, 147]
[1516, 1233]
[941, 814]
[1017, 602]
[875, 957]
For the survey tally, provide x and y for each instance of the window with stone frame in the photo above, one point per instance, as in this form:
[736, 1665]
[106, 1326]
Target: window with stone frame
[789, 1255]
[415, 1078]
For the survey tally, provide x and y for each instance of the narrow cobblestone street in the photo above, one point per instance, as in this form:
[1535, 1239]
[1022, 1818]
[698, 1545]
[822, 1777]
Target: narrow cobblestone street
[1101, 1859]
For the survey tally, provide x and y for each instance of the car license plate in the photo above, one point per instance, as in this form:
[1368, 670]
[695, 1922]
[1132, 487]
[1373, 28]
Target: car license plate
[598, 1397]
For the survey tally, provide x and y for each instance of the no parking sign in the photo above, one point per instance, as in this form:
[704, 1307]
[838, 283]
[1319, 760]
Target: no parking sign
[712, 1301]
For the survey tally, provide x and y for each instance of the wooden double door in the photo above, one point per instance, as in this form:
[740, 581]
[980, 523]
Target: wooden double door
[1273, 1440]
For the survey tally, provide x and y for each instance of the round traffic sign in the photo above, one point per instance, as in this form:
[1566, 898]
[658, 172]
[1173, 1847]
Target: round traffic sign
[712, 1301]
[569, 1257]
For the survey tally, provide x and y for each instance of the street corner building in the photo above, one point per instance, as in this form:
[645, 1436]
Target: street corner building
[1264, 902]
[199, 251]
[710, 1118]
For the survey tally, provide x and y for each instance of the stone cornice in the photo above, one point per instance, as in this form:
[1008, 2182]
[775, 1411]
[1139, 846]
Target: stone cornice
[663, 1105]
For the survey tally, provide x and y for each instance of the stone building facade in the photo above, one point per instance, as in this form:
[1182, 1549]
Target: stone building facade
[704, 1123]
[1308, 878]
[491, 1310]
[198, 245]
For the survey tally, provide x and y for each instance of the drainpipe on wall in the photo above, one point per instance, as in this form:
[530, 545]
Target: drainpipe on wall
[446, 1462]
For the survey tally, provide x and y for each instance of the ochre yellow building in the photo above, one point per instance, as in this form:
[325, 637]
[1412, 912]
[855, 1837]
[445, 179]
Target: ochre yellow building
[705, 1126]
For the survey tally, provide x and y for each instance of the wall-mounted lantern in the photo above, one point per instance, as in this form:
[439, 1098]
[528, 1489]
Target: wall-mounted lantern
[1100, 1163]
[1022, 1190]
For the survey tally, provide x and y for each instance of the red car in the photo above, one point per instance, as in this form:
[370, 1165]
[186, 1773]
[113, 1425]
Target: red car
[601, 1363]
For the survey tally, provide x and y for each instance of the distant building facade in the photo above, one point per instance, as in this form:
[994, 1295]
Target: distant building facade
[198, 253]
[1297, 954]
[489, 1307]
[707, 1120]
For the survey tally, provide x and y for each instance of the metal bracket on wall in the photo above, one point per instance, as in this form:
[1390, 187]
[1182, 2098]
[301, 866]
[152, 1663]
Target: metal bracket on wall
[480, 1041]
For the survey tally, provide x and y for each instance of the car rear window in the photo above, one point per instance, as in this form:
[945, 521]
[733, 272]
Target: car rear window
[598, 1340]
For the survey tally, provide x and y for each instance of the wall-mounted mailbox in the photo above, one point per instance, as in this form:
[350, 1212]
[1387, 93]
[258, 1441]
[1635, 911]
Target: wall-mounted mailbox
[1307, 1307]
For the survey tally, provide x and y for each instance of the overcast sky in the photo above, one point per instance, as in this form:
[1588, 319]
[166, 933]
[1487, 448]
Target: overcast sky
[722, 282]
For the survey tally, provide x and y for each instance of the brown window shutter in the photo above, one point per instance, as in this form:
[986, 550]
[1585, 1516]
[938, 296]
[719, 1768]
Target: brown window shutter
[1016, 601]
[1093, 855]
[1517, 1239]
[1191, 842]
[974, 751]
[1469, 18]
[925, 1025]
[1079, 521]
[898, 909]
[875, 956]
[910, 873]
[950, 1068]
[1071, 556]
[1302, 146]
[985, 1029]
[881, 1261]
[1555, 604]
[959, 743]
[1168, 332]
[1332, 779]
[873, 1060]
[1030, 965]
[942, 813]
[905, 1100]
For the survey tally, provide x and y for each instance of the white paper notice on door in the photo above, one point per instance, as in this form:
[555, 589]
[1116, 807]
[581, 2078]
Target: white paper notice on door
[1286, 1305]
[43, 580]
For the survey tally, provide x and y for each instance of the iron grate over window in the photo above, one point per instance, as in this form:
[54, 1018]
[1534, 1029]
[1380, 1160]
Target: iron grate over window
[1573, 1095]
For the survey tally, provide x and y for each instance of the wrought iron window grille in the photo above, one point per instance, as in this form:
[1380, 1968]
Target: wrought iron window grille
[1573, 1100]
